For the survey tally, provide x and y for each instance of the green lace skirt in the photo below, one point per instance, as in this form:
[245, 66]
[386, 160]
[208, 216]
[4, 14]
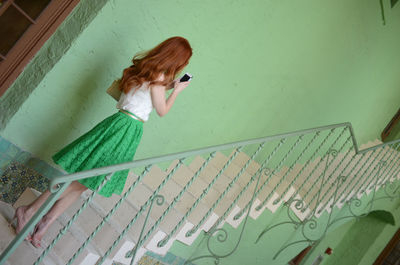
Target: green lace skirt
[112, 141]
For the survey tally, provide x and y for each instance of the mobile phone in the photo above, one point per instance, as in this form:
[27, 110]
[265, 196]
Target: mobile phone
[186, 77]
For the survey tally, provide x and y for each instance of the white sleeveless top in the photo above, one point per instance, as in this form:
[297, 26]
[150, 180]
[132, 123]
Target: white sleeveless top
[137, 101]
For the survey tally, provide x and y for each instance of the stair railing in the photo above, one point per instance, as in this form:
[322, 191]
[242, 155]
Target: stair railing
[319, 153]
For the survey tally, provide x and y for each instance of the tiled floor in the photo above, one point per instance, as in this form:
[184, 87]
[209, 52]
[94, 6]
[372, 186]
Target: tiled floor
[19, 170]
[16, 178]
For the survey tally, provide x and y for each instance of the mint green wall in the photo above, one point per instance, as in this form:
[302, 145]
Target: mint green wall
[340, 238]
[358, 242]
[260, 67]
[382, 240]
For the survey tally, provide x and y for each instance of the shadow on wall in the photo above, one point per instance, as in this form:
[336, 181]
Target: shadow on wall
[361, 235]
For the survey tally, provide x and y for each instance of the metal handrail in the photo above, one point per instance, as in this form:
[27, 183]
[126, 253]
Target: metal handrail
[200, 151]
[59, 184]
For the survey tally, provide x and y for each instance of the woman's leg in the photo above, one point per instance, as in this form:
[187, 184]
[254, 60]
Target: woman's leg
[25, 213]
[69, 196]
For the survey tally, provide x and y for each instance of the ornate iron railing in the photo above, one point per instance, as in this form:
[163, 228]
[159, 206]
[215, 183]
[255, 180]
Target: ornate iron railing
[304, 169]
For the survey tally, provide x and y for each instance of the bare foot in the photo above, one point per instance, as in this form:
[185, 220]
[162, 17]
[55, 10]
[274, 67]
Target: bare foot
[22, 216]
[40, 230]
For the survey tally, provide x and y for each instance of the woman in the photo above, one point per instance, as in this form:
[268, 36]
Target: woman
[115, 139]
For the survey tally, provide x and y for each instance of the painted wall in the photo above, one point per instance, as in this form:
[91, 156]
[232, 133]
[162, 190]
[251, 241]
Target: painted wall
[260, 67]
[358, 241]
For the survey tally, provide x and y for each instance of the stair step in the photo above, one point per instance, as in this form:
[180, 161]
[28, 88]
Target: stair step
[183, 175]
[123, 215]
[28, 196]
[119, 257]
[72, 239]
[100, 206]
[25, 253]
[219, 161]
[209, 173]
[154, 178]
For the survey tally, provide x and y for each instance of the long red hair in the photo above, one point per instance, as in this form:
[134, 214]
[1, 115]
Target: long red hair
[168, 58]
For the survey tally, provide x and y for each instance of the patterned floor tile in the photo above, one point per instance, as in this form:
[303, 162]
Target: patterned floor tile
[147, 260]
[16, 178]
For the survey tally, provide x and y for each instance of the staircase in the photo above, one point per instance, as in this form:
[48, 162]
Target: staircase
[204, 190]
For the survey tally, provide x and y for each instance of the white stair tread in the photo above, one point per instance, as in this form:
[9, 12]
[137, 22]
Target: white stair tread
[100, 206]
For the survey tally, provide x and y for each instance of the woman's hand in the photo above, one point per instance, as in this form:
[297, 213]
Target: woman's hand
[160, 103]
[180, 86]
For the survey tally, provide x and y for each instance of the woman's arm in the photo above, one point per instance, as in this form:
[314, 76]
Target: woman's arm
[160, 103]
